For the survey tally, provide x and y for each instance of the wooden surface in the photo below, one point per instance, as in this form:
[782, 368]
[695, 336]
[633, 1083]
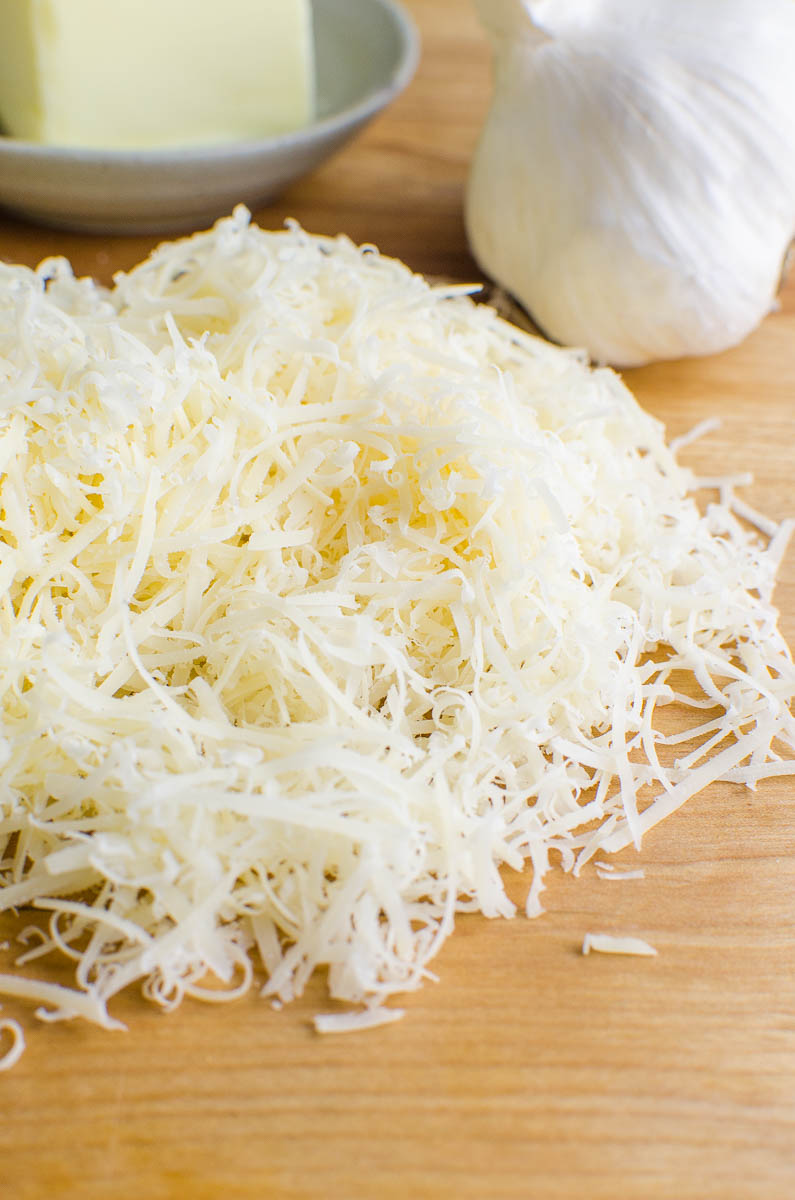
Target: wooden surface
[528, 1070]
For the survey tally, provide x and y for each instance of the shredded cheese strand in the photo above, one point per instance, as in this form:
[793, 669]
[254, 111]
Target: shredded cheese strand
[17, 1048]
[609, 943]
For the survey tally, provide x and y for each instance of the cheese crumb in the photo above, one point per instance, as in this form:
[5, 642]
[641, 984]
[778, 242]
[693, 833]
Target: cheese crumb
[607, 943]
[354, 1022]
[608, 871]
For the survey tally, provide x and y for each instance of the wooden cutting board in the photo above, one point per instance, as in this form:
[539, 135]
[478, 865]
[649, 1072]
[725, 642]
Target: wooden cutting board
[527, 1070]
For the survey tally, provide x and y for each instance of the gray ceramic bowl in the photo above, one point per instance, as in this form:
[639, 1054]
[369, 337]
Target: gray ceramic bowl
[366, 53]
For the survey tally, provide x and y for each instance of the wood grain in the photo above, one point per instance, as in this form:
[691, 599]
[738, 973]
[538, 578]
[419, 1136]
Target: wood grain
[527, 1070]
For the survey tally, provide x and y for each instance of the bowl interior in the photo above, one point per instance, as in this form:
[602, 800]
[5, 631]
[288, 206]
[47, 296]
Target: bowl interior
[360, 46]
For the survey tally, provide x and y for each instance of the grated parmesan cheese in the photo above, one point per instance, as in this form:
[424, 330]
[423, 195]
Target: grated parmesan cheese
[326, 593]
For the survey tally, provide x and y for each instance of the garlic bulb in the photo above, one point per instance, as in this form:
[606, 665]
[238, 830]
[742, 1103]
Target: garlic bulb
[634, 183]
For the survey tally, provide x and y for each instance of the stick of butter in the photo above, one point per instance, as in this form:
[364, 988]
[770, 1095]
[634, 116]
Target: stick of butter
[138, 73]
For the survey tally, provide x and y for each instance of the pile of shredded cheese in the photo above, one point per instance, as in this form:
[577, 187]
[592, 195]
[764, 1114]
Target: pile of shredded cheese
[326, 593]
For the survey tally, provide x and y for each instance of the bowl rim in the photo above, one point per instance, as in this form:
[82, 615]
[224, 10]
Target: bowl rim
[305, 135]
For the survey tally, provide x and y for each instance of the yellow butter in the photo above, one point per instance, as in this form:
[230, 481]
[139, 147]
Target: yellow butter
[137, 73]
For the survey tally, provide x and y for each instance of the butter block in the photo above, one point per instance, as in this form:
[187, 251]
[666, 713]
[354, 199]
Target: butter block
[143, 73]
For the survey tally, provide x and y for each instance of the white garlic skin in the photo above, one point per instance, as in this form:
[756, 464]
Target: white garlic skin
[634, 183]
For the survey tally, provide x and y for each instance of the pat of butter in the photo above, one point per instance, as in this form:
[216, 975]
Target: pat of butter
[137, 73]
